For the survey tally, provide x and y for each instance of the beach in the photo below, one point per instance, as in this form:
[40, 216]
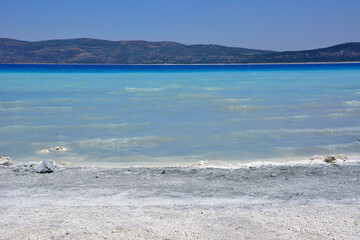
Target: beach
[179, 120]
[314, 201]
[180, 151]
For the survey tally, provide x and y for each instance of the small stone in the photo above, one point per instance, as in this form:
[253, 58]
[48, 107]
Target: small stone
[163, 172]
[202, 163]
[5, 161]
[330, 159]
[273, 175]
[62, 149]
[46, 167]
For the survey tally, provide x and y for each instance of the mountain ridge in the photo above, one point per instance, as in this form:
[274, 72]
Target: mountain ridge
[99, 51]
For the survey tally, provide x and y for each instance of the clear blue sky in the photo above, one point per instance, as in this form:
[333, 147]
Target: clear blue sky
[261, 24]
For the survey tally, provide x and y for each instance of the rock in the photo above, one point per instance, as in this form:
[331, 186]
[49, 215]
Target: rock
[60, 148]
[46, 167]
[202, 163]
[5, 161]
[316, 157]
[341, 157]
[330, 159]
[273, 175]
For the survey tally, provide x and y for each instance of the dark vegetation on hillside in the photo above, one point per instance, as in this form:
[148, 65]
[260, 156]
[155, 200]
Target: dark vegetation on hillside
[94, 51]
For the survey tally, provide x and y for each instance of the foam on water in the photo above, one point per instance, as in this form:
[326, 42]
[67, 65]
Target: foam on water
[179, 115]
[212, 88]
[120, 143]
[143, 89]
[299, 117]
[325, 131]
[352, 103]
[243, 108]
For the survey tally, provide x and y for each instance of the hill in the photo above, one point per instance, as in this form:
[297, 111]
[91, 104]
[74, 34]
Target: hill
[95, 51]
[339, 53]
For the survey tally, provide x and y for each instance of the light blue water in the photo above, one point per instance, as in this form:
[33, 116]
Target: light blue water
[175, 115]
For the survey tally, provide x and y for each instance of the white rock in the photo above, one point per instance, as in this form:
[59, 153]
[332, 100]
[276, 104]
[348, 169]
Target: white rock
[46, 167]
[330, 159]
[202, 163]
[60, 148]
[5, 161]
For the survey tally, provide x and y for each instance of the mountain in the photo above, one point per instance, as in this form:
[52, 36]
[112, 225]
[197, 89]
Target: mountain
[338, 53]
[95, 51]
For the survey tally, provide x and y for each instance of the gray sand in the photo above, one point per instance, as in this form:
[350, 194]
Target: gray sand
[272, 202]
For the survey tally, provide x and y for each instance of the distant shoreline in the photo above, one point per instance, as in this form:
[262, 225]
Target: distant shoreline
[179, 64]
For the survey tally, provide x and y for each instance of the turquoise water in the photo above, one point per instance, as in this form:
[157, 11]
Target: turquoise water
[176, 115]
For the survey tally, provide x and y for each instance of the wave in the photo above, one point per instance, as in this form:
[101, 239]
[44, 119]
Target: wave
[328, 131]
[212, 88]
[350, 148]
[143, 89]
[12, 102]
[15, 105]
[335, 115]
[353, 146]
[352, 103]
[54, 107]
[32, 108]
[121, 143]
[11, 109]
[340, 146]
[6, 129]
[236, 100]
[296, 117]
[243, 108]
[194, 95]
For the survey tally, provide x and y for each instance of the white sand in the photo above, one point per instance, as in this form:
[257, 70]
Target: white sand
[281, 202]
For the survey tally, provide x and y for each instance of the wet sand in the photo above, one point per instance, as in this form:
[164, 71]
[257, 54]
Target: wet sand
[271, 202]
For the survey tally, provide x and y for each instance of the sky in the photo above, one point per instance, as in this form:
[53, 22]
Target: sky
[259, 24]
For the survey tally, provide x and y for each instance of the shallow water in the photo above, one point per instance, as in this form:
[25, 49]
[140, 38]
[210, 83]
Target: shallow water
[176, 115]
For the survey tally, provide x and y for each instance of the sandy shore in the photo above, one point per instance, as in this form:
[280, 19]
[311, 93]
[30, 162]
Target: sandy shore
[272, 202]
